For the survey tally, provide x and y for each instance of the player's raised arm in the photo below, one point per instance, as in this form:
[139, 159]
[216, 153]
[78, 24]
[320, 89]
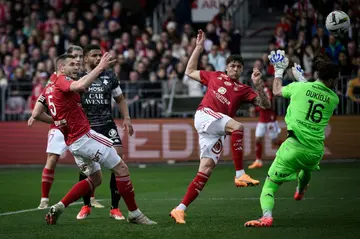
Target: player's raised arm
[280, 63]
[262, 100]
[38, 113]
[84, 82]
[191, 68]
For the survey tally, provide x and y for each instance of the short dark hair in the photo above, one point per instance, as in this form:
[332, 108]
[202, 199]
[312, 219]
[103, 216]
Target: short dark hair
[91, 47]
[73, 48]
[235, 58]
[62, 58]
[326, 69]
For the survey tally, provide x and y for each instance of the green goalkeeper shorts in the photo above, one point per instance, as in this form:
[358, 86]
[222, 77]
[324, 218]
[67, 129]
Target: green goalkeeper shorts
[291, 158]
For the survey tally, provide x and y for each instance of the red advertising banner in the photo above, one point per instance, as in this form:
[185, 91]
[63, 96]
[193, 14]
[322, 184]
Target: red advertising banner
[160, 140]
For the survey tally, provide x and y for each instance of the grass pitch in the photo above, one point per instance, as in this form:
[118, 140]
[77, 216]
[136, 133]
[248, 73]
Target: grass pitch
[330, 208]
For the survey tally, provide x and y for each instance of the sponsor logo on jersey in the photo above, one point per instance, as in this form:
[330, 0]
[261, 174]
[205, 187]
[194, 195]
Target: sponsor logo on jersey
[222, 90]
[112, 133]
[227, 83]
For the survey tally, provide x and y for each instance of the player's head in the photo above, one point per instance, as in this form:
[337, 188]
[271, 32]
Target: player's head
[77, 52]
[234, 66]
[328, 72]
[66, 64]
[92, 55]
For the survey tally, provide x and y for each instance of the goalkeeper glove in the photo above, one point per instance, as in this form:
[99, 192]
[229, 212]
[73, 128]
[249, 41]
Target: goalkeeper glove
[279, 61]
[298, 73]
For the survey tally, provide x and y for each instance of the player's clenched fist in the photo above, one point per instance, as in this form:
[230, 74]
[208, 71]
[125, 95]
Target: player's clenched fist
[279, 61]
[256, 77]
[200, 38]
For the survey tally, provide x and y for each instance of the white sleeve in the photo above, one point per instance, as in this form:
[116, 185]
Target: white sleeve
[116, 92]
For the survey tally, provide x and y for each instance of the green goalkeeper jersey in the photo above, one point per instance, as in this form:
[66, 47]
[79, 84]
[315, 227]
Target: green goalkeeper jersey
[311, 106]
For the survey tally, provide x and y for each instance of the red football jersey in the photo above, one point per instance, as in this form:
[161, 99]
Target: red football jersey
[267, 115]
[224, 94]
[65, 108]
[52, 79]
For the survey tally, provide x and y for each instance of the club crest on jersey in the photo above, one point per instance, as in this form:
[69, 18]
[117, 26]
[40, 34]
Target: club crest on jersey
[236, 88]
[112, 133]
[105, 82]
[222, 90]
[217, 148]
[227, 83]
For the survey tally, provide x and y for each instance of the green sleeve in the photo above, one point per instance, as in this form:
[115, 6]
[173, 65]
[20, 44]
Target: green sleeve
[288, 90]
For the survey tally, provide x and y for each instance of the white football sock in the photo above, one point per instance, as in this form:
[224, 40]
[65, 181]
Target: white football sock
[181, 207]
[239, 173]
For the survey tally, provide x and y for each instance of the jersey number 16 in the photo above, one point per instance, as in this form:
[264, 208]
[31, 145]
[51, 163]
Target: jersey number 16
[314, 112]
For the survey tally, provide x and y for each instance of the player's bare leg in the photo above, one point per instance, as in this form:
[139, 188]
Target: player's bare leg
[195, 187]
[115, 212]
[77, 191]
[237, 134]
[47, 179]
[126, 190]
[258, 152]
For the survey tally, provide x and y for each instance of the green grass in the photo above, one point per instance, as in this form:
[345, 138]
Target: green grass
[330, 209]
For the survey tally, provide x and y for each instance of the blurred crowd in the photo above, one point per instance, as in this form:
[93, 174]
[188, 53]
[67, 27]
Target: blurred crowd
[34, 33]
[301, 32]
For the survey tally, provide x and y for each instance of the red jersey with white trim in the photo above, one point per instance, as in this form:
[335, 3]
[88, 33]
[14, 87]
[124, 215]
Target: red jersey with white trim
[224, 94]
[65, 108]
[267, 115]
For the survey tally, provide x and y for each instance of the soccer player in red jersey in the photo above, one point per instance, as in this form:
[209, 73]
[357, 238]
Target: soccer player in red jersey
[214, 120]
[89, 148]
[56, 144]
[267, 124]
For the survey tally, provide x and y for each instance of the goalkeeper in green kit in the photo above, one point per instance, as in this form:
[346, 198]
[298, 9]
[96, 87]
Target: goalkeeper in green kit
[311, 106]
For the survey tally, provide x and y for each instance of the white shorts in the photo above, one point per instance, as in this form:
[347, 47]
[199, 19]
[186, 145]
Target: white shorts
[271, 128]
[92, 150]
[56, 142]
[210, 126]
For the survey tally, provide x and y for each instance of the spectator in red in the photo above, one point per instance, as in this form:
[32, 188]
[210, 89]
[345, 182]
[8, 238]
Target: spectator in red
[38, 87]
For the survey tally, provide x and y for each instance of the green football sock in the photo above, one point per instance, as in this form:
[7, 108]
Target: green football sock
[267, 199]
[303, 180]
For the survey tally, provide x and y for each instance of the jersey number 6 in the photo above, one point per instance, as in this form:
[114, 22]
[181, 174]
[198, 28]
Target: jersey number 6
[314, 113]
[51, 106]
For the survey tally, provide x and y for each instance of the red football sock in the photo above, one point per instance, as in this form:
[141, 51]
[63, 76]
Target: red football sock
[77, 191]
[126, 191]
[237, 149]
[258, 150]
[46, 182]
[194, 188]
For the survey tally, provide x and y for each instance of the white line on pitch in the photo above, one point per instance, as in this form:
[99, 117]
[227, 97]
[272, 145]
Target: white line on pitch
[37, 209]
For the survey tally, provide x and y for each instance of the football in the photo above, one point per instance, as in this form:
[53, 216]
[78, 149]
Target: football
[338, 23]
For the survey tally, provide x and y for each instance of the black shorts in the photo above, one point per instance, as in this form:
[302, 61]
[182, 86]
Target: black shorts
[109, 131]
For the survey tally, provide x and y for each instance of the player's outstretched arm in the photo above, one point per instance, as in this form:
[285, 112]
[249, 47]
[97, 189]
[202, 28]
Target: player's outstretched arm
[84, 82]
[280, 63]
[191, 68]
[38, 113]
[261, 100]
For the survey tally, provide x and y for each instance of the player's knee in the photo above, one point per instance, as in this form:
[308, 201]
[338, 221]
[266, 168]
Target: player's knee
[51, 161]
[233, 125]
[96, 178]
[206, 166]
[121, 169]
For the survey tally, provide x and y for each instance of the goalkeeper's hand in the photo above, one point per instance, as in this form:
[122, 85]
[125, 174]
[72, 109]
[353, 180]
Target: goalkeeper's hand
[298, 73]
[279, 61]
